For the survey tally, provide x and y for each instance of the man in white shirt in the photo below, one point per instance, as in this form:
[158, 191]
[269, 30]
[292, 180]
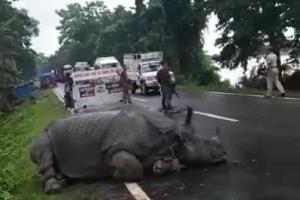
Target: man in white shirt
[272, 75]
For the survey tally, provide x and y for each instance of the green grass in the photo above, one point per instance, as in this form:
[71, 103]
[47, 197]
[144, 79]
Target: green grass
[17, 130]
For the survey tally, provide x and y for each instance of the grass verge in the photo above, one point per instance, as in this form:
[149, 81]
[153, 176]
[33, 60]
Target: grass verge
[18, 178]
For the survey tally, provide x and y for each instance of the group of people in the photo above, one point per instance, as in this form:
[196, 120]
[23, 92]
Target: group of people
[163, 78]
[167, 87]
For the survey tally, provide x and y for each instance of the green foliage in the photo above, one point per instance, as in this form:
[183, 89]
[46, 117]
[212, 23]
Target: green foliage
[17, 131]
[92, 31]
[16, 31]
[186, 19]
[8, 71]
[80, 28]
[42, 63]
[248, 26]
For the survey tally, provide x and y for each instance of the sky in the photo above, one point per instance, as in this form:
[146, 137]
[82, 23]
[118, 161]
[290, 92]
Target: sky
[47, 41]
[44, 12]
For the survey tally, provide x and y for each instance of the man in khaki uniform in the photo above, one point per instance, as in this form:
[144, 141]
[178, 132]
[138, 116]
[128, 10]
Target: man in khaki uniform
[124, 84]
[272, 75]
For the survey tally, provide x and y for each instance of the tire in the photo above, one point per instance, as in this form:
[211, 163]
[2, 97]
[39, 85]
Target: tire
[144, 89]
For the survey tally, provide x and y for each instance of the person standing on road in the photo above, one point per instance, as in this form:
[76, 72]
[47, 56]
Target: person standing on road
[164, 79]
[69, 101]
[272, 75]
[124, 85]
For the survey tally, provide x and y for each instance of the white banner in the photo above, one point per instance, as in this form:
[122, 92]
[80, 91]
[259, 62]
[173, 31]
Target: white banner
[110, 73]
[92, 86]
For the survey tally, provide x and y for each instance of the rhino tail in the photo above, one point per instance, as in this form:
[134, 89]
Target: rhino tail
[189, 116]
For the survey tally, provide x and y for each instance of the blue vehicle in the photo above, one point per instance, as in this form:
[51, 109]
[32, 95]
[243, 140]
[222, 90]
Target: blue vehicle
[24, 91]
[48, 80]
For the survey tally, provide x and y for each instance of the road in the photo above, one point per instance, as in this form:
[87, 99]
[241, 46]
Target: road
[261, 137]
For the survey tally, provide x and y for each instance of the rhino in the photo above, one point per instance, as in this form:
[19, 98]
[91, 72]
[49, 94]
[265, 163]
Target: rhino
[123, 144]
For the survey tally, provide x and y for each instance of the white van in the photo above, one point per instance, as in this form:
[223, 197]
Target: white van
[142, 70]
[106, 63]
[81, 66]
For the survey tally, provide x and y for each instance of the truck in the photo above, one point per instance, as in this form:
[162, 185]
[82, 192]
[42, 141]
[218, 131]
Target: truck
[67, 69]
[142, 69]
[61, 72]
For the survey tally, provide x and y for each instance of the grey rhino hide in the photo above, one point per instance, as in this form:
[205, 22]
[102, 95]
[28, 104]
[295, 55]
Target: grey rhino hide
[84, 144]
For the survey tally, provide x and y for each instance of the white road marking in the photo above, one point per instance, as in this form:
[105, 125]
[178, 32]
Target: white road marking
[237, 94]
[139, 99]
[216, 116]
[291, 98]
[136, 191]
[58, 95]
[254, 95]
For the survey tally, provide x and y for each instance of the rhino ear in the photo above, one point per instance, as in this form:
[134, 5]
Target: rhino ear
[189, 116]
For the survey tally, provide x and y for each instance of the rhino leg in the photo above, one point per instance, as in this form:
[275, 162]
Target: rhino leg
[126, 167]
[42, 155]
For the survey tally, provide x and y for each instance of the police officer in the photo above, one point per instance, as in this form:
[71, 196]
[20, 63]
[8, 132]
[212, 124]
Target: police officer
[164, 79]
[124, 85]
[272, 75]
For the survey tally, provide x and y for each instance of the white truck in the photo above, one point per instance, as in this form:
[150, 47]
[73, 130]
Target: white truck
[67, 69]
[142, 69]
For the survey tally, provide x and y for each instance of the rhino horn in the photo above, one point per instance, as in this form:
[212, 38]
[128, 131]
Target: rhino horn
[218, 133]
[189, 116]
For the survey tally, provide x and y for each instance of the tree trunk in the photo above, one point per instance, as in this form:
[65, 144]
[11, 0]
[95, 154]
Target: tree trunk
[278, 54]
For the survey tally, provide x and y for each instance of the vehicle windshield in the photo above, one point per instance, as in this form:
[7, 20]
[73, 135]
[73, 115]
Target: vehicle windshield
[150, 67]
[110, 65]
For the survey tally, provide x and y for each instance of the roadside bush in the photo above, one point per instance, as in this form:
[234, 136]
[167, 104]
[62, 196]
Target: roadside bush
[12, 142]
[8, 182]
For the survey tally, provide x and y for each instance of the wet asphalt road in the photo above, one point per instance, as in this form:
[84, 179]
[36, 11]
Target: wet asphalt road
[263, 150]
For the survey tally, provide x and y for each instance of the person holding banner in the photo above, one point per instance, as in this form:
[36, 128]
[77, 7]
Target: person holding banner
[124, 85]
[69, 101]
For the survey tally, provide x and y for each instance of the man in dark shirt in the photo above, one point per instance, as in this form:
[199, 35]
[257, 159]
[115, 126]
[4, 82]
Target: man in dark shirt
[69, 101]
[164, 79]
[124, 84]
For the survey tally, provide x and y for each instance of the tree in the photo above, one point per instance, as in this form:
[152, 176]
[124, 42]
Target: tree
[186, 19]
[16, 57]
[250, 26]
[92, 31]
[116, 37]
[80, 28]
[139, 7]
[16, 31]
